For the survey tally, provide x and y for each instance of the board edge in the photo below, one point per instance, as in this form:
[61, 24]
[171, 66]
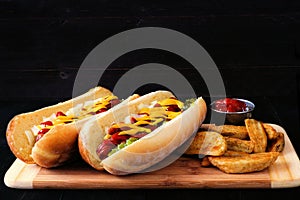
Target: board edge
[21, 175]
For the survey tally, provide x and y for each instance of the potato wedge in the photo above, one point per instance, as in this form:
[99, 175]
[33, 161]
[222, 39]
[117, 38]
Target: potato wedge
[271, 132]
[205, 162]
[257, 135]
[229, 130]
[236, 144]
[244, 164]
[207, 143]
[207, 127]
[231, 153]
[277, 144]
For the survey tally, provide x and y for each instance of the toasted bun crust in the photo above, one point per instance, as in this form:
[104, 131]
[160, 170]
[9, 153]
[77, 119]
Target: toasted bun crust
[150, 149]
[53, 149]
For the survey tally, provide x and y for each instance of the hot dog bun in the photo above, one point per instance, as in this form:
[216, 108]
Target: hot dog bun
[58, 145]
[148, 150]
[92, 134]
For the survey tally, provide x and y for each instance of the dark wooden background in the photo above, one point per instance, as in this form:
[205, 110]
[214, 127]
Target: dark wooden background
[255, 44]
[43, 43]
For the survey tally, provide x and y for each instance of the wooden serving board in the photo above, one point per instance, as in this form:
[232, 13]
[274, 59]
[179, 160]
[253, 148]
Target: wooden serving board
[183, 173]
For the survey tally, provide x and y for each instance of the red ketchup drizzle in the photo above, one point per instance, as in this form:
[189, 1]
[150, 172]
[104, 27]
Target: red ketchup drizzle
[47, 123]
[59, 113]
[43, 131]
[230, 105]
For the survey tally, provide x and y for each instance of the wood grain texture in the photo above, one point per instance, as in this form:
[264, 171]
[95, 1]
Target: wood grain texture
[183, 173]
[286, 171]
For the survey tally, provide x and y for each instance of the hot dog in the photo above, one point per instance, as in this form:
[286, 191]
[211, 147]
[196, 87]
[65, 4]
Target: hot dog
[48, 136]
[141, 134]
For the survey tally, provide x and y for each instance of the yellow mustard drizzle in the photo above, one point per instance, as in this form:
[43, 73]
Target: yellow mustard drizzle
[171, 101]
[85, 112]
[149, 116]
[90, 109]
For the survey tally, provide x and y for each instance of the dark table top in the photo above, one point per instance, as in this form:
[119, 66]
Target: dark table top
[281, 111]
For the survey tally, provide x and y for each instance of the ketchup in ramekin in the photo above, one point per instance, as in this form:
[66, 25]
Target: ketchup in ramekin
[232, 110]
[230, 105]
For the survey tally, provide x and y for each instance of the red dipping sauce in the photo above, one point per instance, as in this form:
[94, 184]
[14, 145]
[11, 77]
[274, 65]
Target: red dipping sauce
[230, 105]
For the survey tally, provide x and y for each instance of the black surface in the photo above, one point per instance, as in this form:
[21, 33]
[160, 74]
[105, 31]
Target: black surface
[43, 44]
[255, 45]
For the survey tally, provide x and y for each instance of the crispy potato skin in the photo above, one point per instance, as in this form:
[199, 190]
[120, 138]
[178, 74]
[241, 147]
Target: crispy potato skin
[205, 162]
[236, 144]
[270, 131]
[257, 135]
[207, 143]
[244, 164]
[255, 153]
[228, 130]
[277, 144]
[231, 153]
